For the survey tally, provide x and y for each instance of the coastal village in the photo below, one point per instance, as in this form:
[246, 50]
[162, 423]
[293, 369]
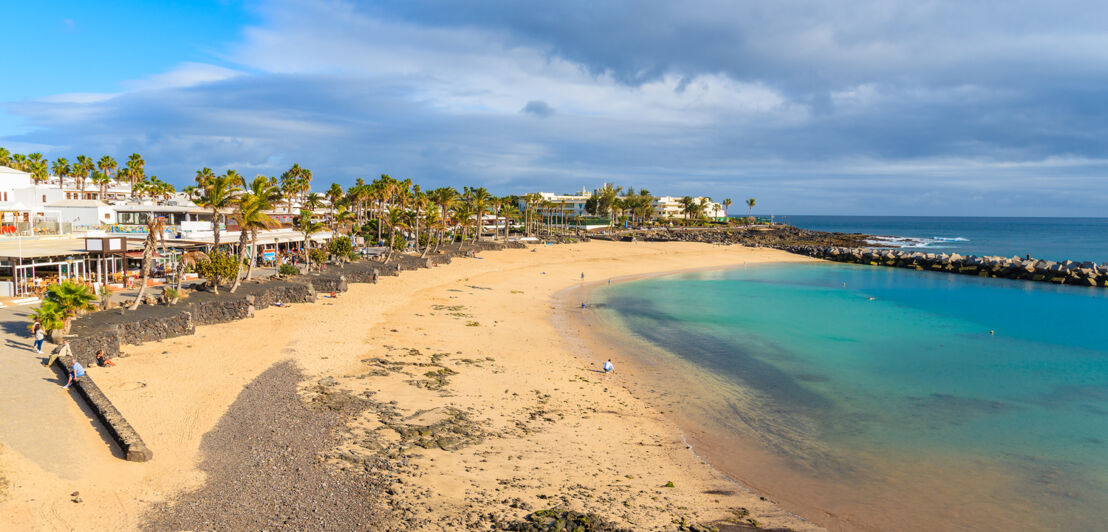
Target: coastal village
[126, 288]
[105, 268]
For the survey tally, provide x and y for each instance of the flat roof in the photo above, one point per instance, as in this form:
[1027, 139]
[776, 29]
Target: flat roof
[11, 247]
[159, 208]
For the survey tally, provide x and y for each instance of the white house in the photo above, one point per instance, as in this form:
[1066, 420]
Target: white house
[574, 203]
[81, 213]
[671, 207]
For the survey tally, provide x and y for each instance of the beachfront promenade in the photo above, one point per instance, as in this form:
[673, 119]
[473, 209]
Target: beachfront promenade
[41, 421]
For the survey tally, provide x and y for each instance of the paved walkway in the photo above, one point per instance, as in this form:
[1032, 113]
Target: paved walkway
[40, 420]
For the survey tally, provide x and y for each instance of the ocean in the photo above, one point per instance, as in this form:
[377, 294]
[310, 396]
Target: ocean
[883, 398]
[1077, 239]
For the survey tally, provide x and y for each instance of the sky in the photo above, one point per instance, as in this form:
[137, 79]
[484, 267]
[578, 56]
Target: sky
[882, 107]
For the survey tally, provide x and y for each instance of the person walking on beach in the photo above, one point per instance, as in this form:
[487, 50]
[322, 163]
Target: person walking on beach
[608, 367]
[39, 332]
[62, 351]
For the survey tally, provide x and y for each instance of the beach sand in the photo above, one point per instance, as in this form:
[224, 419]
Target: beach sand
[482, 408]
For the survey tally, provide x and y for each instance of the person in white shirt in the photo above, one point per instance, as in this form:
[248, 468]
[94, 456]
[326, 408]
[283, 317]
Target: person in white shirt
[40, 335]
[608, 367]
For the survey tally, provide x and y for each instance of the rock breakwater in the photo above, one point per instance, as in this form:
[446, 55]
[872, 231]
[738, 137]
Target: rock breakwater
[1029, 269]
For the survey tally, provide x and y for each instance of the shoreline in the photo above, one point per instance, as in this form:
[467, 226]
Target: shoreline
[515, 420]
[849, 489]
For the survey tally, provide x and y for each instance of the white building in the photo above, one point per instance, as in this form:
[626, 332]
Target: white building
[21, 200]
[671, 207]
[574, 203]
[81, 213]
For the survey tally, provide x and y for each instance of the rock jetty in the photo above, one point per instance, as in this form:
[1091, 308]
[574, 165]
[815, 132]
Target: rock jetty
[1068, 272]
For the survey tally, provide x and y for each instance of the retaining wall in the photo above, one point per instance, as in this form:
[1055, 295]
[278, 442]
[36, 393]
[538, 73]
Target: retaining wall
[129, 441]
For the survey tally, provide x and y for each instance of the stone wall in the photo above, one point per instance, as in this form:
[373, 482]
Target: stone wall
[1067, 272]
[129, 441]
[325, 282]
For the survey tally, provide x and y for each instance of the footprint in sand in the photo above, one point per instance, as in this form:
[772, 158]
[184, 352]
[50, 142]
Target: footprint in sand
[130, 386]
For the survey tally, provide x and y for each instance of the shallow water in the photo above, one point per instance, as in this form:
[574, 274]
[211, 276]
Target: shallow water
[880, 392]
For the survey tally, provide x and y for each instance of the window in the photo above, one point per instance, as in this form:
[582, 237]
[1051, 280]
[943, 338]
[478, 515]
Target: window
[44, 198]
[107, 216]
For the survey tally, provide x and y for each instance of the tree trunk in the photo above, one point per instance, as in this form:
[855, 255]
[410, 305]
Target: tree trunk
[307, 253]
[239, 256]
[253, 255]
[147, 259]
[215, 229]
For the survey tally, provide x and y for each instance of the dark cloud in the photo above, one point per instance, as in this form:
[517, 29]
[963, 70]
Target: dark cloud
[537, 108]
[869, 107]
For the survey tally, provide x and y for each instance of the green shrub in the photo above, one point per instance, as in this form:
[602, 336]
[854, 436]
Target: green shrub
[219, 268]
[399, 242]
[318, 256]
[288, 269]
[340, 246]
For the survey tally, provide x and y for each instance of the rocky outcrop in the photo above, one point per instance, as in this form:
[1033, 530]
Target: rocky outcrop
[124, 435]
[1029, 269]
[757, 236]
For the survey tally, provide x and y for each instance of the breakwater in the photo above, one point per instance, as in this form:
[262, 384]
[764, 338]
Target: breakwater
[1029, 269]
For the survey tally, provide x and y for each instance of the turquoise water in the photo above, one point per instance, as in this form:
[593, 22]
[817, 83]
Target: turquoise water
[893, 364]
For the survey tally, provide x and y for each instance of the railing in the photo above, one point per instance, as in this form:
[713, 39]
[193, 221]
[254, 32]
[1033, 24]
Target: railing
[41, 227]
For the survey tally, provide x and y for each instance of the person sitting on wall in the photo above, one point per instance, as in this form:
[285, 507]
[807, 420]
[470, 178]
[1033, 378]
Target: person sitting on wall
[61, 351]
[75, 372]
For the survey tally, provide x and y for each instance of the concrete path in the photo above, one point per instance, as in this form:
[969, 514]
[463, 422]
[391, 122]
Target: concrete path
[40, 420]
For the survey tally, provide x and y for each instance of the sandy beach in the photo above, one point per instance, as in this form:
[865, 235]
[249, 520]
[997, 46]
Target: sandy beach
[462, 402]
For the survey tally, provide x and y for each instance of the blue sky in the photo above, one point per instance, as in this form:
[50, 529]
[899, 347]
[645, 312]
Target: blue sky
[861, 107]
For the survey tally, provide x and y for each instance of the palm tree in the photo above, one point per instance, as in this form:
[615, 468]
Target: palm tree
[726, 205]
[308, 226]
[61, 169]
[313, 201]
[64, 301]
[36, 165]
[334, 195]
[263, 191]
[103, 180]
[688, 205]
[291, 183]
[480, 197]
[5, 157]
[432, 220]
[216, 193]
[250, 216]
[19, 161]
[155, 231]
[750, 204]
[82, 170]
[510, 213]
[606, 200]
[108, 166]
[265, 188]
[443, 197]
[136, 170]
[395, 220]
[183, 262]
